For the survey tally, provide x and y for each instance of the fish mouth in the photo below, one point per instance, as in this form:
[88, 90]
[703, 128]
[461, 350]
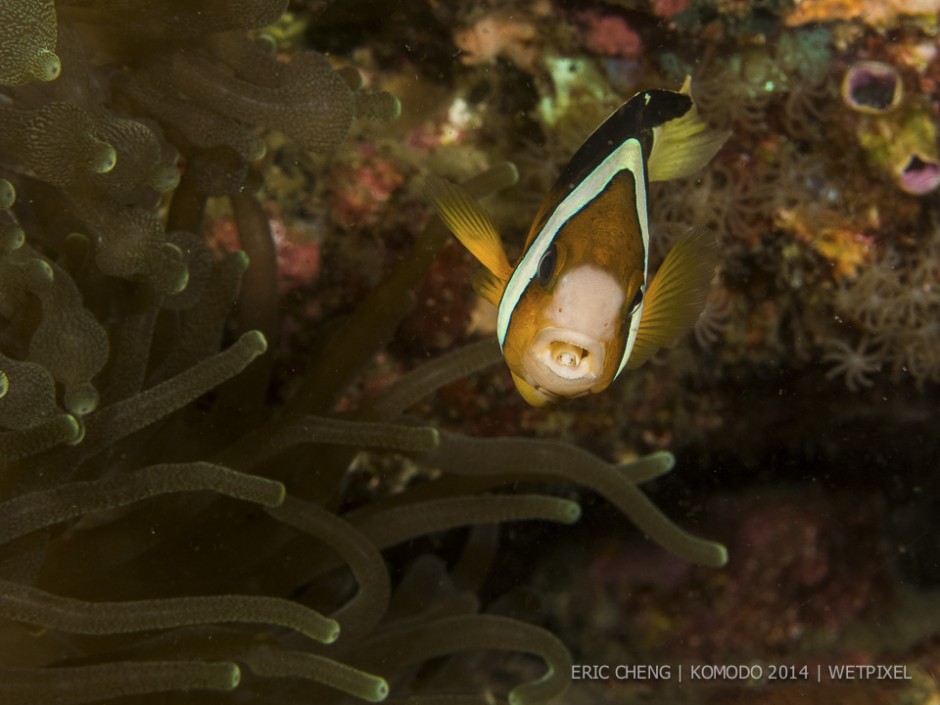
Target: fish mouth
[564, 362]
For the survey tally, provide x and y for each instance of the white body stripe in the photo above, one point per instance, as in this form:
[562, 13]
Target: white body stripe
[629, 156]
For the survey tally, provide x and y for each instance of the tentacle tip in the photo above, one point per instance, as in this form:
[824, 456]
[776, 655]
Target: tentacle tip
[242, 260]
[394, 109]
[41, 270]
[257, 149]
[77, 239]
[46, 65]
[172, 250]
[74, 430]
[278, 499]
[104, 159]
[267, 42]
[255, 342]
[7, 194]
[15, 239]
[666, 459]
[331, 632]
[572, 512]
[234, 677]
[81, 400]
[165, 178]
[720, 558]
[380, 692]
[168, 271]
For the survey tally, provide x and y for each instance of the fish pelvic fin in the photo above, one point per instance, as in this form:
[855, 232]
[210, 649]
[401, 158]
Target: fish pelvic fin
[470, 224]
[532, 395]
[676, 295]
[683, 145]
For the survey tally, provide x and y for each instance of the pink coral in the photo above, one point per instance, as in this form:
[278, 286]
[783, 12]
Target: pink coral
[444, 304]
[667, 9]
[610, 35]
[361, 189]
[494, 36]
[298, 251]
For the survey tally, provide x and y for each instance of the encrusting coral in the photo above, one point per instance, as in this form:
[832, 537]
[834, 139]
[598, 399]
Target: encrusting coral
[164, 527]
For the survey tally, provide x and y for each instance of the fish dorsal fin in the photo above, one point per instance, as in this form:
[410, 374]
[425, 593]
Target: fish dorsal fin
[676, 295]
[488, 285]
[683, 145]
[470, 224]
[636, 119]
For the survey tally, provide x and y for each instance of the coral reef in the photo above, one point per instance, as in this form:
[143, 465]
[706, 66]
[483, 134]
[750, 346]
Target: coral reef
[763, 603]
[610, 35]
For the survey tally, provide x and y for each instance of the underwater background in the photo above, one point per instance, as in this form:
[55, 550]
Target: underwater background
[257, 441]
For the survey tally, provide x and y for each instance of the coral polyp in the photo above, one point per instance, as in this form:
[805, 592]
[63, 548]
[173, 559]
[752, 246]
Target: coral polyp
[856, 364]
[872, 87]
[919, 175]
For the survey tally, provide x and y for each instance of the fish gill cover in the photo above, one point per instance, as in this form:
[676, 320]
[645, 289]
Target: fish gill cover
[227, 463]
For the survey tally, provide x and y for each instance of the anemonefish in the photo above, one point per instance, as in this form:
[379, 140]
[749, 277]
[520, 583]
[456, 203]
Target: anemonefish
[579, 306]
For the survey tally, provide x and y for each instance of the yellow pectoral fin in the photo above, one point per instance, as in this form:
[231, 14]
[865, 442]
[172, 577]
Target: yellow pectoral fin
[684, 145]
[487, 285]
[676, 295]
[470, 224]
[532, 395]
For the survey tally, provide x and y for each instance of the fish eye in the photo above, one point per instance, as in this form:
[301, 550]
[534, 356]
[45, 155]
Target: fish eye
[547, 266]
[637, 300]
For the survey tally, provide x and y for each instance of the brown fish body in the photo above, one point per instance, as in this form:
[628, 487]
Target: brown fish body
[579, 306]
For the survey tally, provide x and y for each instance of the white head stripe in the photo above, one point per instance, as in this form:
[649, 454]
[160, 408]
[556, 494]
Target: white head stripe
[631, 335]
[629, 156]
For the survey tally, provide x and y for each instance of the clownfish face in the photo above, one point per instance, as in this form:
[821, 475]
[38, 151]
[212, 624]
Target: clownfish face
[568, 334]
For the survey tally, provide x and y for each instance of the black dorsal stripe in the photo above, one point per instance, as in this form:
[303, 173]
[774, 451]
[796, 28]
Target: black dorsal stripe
[634, 119]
